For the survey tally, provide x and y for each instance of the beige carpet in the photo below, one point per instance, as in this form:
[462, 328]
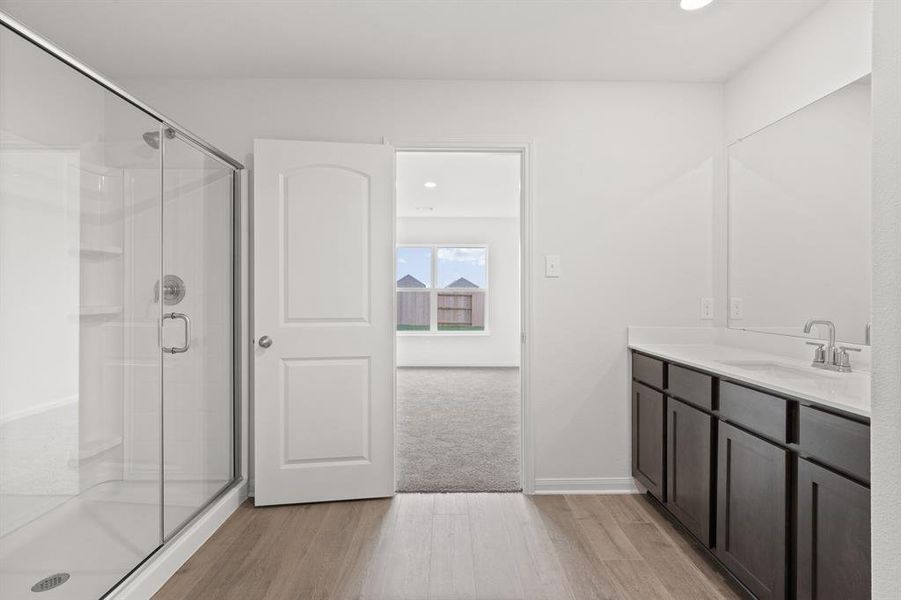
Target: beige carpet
[458, 430]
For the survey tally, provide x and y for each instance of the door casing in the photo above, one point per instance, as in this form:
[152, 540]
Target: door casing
[523, 147]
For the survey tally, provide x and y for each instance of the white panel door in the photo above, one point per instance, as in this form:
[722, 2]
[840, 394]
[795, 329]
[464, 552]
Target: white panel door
[323, 294]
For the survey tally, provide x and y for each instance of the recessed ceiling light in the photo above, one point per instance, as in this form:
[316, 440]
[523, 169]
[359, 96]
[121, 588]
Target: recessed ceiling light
[430, 184]
[694, 4]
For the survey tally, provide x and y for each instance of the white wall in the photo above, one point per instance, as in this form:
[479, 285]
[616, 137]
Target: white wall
[499, 346]
[886, 419]
[622, 191]
[828, 50]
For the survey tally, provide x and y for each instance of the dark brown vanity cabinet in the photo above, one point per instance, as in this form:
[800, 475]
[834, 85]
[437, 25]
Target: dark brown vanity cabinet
[777, 488]
[688, 462]
[647, 438]
[833, 548]
[751, 510]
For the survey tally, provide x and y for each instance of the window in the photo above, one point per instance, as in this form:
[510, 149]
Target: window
[442, 288]
[414, 272]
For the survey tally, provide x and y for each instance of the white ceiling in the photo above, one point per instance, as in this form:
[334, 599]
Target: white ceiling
[614, 40]
[469, 184]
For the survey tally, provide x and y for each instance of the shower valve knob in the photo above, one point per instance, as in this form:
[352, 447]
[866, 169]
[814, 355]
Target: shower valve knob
[265, 341]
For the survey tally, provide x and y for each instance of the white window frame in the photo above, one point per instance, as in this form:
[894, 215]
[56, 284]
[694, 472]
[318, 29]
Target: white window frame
[434, 291]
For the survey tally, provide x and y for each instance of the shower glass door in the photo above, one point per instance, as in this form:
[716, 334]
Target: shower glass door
[80, 390]
[197, 329]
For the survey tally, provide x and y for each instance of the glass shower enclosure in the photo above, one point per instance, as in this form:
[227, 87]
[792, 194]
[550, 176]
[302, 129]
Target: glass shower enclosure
[117, 326]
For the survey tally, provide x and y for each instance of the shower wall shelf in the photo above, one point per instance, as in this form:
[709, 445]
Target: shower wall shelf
[100, 251]
[100, 311]
[94, 449]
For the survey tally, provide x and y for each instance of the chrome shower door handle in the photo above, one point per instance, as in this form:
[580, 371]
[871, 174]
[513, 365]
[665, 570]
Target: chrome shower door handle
[187, 321]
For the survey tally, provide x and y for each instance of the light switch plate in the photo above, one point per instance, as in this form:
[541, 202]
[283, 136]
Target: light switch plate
[552, 265]
[736, 308]
[706, 309]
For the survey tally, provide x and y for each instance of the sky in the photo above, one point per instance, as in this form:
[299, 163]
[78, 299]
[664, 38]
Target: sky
[453, 263]
[416, 262]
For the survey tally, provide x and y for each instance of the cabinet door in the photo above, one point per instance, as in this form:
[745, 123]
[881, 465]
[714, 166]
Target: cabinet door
[833, 535]
[751, 507]
[647, 438]
[688, 453]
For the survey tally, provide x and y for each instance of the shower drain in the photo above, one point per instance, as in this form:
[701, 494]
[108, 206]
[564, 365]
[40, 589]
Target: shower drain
[48, 583]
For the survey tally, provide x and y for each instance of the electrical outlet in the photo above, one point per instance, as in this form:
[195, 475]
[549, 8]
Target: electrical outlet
[736, 308]
[706, 309]
[552, 265]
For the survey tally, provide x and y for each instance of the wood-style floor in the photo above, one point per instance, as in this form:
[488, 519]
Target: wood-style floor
[424, 546]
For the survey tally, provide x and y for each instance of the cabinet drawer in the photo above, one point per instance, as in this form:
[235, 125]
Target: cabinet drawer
[762, 413]
[835, 441]
[647, 370]
[690, 386]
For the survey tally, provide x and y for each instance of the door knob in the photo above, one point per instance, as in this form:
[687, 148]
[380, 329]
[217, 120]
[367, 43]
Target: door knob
[265, 341]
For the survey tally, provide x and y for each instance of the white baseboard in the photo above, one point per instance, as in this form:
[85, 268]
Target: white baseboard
[458, 365]
[151, 576]
[585, 485]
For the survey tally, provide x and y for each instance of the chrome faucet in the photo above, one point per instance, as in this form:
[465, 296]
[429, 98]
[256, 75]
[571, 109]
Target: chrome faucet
[824, 358]
[827, 356]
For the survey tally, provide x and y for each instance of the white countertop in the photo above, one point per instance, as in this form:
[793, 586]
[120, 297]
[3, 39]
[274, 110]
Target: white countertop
[849, 392]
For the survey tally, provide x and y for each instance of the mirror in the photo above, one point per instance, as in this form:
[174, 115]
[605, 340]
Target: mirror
[799, 220]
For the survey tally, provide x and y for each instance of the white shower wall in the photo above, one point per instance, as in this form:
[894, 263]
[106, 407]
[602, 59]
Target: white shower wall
[35, 410]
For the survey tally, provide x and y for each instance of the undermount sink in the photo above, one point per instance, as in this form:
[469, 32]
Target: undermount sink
[774, 368]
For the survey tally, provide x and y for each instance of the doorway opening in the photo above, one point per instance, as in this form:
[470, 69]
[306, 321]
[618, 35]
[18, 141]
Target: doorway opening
[459, 321]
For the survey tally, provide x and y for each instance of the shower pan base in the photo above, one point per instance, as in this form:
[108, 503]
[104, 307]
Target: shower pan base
[108, 525]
